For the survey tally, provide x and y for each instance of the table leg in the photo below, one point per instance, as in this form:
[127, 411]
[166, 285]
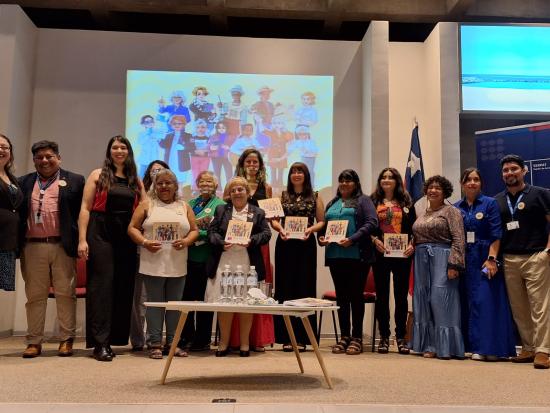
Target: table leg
[293, 340]
[313, 341]
[177, 335]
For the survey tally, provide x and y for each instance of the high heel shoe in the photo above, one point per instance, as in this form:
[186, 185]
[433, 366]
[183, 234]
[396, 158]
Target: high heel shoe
[222, 353]
[244, 353]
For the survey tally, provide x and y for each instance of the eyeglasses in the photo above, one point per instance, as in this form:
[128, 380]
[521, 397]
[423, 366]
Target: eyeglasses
[238, 190]
[148, 122]
[164, 183]
[46, 157]
[5, 148]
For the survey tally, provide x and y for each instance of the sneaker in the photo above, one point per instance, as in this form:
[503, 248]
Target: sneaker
[478, 357]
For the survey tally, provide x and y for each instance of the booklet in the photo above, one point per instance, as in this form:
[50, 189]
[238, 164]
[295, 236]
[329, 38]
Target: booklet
[295, 227]
[238, 232]
[336, 230]
[310, 302]
[272, 207]
[395, 245]
[166, 232]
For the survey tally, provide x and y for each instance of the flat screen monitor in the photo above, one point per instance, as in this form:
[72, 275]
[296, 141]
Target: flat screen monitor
[505, 68]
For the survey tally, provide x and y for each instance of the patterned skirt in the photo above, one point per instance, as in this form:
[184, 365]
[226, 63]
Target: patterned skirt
[7, 270]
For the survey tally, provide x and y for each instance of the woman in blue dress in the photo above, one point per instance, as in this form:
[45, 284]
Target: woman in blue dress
[487, 325]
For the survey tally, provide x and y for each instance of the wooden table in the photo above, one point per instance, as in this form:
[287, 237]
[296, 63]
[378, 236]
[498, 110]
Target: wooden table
[185, 307]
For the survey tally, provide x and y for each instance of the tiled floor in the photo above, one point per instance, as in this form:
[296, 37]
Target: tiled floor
[255, 408]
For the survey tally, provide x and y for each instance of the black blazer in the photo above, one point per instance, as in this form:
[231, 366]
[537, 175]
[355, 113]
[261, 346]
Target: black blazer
[70, 199]
[188, 147]
[261, 233]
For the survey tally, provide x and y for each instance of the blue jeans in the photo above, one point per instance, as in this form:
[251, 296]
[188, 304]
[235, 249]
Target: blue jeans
[162, 289]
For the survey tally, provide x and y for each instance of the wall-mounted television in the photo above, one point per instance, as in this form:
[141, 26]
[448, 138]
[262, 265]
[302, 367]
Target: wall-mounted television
[505, 68]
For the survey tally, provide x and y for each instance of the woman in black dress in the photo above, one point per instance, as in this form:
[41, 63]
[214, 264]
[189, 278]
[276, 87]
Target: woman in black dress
[10, 201]
[296, 259]
[110, 196]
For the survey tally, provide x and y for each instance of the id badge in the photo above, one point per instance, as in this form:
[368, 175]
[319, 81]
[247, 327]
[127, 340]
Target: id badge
[470, 237]
[38, 218]
[512, 225]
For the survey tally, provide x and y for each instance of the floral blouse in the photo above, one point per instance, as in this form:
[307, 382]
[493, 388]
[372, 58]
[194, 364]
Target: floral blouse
[444, 226]
[296, 206]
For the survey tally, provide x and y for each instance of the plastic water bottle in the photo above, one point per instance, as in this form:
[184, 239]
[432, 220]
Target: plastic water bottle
[226, 284]
[239, 285]
[251, 278]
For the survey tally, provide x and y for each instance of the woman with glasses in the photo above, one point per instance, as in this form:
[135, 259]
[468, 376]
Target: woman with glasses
[11, 198]
[111, 194]
[238, 208]
[197, 331]
[349, 259]
[168, 230]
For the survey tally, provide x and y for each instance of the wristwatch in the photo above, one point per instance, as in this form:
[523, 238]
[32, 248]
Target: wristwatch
[491, 258]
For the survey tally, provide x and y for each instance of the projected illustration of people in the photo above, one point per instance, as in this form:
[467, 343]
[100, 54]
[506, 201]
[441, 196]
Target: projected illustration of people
[177, 107]
[148, 144]
[234, 113]
[306, 147]
[263, 110]
[199, 157]
[307, 114]
[218, 147]
[245, 141]
[178, 146]
[201, 108]
[276, 153]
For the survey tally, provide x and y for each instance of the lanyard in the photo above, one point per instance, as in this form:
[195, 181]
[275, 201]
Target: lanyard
[515, 208]
[43, 188]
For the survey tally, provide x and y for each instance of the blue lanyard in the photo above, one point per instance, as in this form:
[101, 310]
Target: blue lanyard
[515, 208]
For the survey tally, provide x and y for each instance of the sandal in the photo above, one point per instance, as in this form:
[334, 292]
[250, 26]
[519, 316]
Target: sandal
[402, 346]
[342, 345]
[384, 345]
[429, 355]
[355, 347]
[180, 352]
[155, 353]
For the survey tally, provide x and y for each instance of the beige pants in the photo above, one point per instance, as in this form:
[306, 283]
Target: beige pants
[528, 284]
[43, 265]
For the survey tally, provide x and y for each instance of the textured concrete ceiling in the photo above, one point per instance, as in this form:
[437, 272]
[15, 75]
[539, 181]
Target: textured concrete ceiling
[315, 19]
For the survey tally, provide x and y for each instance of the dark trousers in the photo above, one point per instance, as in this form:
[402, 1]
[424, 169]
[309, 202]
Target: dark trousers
[401, 269]
[349, 277]
[197, 331]
[111, 270]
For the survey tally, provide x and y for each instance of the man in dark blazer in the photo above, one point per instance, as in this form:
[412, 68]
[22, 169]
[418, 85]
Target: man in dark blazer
[48, 245]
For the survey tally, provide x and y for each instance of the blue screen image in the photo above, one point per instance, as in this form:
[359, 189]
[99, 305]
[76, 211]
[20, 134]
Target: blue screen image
[505, 68]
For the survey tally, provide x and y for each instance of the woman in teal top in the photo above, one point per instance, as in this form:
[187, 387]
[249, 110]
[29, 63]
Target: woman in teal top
[349, 260]
[197, 331]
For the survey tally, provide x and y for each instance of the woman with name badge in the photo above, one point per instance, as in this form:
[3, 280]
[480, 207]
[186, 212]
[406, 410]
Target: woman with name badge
[487, 324]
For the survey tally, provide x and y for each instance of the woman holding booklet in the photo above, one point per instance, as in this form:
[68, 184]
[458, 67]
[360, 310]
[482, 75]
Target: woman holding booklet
[295, 251]
[163, 263]
[396, 216]
[237, 210]
[251, 166]
[350, 222]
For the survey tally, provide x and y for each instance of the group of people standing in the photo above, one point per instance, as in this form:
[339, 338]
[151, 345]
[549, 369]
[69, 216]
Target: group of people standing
[463, 301]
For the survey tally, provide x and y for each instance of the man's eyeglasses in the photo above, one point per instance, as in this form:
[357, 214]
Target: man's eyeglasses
[5, 148]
